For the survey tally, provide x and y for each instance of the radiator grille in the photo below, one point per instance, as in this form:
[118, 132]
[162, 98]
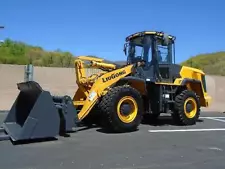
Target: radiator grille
[90, 71]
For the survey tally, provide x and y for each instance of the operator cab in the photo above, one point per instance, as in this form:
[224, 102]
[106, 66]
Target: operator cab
[155, 50]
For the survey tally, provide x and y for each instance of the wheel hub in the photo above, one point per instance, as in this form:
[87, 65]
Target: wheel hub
[189, 107]
[125, 109]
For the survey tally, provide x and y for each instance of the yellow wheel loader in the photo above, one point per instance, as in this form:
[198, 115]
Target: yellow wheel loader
[149, 83]
[117, 97]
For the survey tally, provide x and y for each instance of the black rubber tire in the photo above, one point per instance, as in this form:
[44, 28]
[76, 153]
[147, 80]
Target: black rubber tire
[179, 111]
[108, 107]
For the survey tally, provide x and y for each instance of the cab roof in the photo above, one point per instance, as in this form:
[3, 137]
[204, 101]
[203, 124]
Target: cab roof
[156, 33]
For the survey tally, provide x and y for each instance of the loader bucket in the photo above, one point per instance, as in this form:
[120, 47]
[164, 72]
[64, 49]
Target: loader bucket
[34, 114]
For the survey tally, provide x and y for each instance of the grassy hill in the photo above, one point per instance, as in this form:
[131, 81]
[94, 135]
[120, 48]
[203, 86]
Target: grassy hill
[13, 52]
[211, 63]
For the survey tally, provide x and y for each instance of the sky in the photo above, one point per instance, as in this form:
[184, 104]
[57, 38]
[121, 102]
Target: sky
[85, 27]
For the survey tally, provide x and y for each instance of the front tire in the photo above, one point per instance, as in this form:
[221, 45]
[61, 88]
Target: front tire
[186, 108]
[122, 107]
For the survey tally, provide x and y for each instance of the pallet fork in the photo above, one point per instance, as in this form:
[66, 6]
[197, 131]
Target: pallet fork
[36, 114]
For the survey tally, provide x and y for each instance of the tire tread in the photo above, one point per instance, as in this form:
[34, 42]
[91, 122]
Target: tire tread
[178, 114]
[107, 108]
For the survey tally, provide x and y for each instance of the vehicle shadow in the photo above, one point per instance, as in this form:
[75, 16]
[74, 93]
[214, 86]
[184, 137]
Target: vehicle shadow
[163, 121]
[160, 121]
[108, 131]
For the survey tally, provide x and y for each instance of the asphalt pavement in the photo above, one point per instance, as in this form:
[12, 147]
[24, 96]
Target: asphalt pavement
[161, 145]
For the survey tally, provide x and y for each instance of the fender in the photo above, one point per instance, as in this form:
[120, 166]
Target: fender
[186, 81]
[136, 82]
[196, 86]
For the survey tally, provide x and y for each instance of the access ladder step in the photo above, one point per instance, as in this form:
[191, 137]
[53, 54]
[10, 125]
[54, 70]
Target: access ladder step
[170, 92]
[170, 101]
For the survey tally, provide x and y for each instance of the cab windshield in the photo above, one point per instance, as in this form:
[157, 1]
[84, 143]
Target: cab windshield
[140, 48]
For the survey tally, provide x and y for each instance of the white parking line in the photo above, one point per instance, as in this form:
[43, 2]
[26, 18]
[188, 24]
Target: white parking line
[212, 117]
[194, 130]
[216, 119]
[186, 130]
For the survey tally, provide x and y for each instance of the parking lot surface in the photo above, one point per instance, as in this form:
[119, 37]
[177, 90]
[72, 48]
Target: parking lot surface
[160, 145]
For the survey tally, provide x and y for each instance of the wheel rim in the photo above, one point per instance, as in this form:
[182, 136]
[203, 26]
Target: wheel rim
[127, 109]
[190, 107]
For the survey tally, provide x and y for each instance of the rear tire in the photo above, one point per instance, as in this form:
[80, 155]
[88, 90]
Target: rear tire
[186, 108]
[118, 119]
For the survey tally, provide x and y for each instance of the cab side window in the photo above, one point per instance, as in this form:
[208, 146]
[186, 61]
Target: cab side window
[163, 54]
